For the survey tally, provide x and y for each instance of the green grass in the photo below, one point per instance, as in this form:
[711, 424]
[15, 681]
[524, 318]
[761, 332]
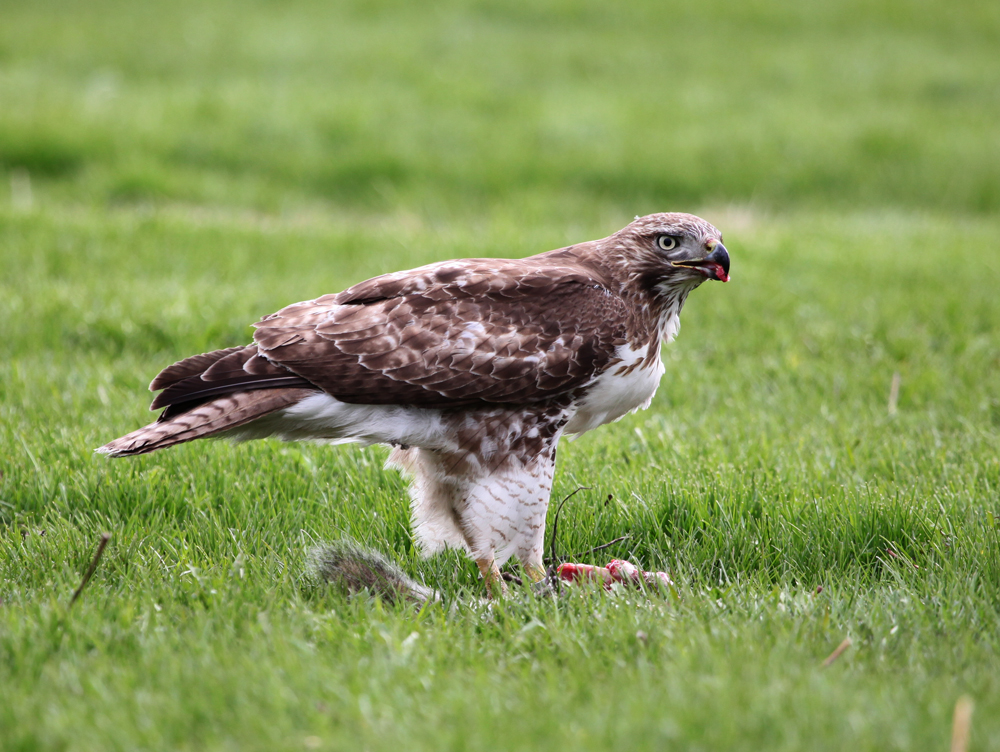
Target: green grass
[178, 170]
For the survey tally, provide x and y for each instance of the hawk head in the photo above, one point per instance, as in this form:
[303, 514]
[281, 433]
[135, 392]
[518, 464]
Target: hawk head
[665, 254]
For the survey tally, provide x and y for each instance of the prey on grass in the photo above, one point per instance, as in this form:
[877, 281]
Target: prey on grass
[472, 370]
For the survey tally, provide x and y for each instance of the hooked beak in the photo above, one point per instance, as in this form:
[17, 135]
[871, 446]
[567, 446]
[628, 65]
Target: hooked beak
[714, 266]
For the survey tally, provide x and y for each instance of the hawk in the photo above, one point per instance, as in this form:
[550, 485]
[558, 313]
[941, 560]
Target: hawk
[472, 370]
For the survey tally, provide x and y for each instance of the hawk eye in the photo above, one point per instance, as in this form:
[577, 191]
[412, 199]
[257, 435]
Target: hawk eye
[666, 242]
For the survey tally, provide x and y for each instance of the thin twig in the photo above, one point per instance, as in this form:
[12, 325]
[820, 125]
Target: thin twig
[105, 537]
[601, 547]
[555, 519]
[550, 573]
[962, 724]
[837, 653]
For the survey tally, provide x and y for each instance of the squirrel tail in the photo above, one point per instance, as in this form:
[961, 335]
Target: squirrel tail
[349, 566]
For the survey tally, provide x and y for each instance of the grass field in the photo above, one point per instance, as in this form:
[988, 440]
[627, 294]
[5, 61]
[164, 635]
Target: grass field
[172, 172]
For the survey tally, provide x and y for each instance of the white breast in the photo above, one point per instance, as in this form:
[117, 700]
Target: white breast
[624, 388]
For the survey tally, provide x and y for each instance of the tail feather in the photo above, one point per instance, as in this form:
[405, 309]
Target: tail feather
[220, 414]
[203, 377]
[193, 366]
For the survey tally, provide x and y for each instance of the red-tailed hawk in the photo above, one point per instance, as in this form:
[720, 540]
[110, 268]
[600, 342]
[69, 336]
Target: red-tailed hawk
[472, 370]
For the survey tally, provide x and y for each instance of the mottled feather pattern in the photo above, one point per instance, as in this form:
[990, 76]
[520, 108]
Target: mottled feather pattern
[514, 339]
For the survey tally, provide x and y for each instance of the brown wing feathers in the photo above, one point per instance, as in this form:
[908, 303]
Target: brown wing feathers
[201, 377]
[442, 336]
[444, 347]
[193, 366]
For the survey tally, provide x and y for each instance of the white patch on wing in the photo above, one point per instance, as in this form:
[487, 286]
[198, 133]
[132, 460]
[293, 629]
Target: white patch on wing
[475, 327]
[468, 339]
[618, 391]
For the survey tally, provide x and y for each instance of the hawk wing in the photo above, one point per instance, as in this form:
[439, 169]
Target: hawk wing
[450, 335]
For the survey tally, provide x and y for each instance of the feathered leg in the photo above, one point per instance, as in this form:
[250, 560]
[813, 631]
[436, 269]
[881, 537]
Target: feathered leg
[488, 495]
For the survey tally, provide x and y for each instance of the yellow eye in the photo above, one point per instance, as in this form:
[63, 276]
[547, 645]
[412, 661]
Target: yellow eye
[666, 242]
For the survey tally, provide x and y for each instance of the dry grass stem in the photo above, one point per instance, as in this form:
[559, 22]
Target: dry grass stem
[894, 393]
[105, 537]
[837, 653]
[962, 724]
